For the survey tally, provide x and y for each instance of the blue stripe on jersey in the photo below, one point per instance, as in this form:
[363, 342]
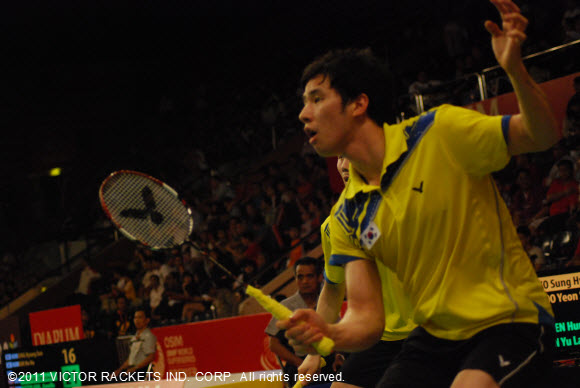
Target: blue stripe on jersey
[327, 279]
[349, 212]
[505, 127]
[414, 133]
[342, 259]
[372, 208]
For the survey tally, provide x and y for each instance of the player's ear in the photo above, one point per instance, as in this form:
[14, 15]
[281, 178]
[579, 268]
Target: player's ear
[360, 104]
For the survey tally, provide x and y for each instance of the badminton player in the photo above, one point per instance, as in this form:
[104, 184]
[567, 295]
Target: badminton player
[421, 200]
[361, 369]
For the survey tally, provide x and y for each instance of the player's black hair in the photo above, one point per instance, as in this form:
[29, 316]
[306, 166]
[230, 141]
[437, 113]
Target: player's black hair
[352, 72]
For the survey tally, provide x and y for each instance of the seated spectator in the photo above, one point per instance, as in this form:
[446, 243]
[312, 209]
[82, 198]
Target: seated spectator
[152, 266]
[527, 199]
[297, 248]
[155, 293]
[561, 199]
[170, 265]
[173, 298]
[123, 284]
[251, 247]
[87, 276]
[195, 303]
[575, 261]
[121, 322]
[559, 152]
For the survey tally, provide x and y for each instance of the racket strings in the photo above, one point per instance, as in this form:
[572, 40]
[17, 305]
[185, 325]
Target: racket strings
[146, 210]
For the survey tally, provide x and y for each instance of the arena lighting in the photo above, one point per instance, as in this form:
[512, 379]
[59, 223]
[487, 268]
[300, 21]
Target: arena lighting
[55, 171]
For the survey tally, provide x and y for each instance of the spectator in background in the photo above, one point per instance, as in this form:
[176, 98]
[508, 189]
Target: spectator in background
[559, 152]
[527, 199]
[571, 128]
[561, 200]
[308, 277]
[571, 21]
[143, 345]
[120, 321]
[224, 299]
[123, 284]
[173, 297]
[422, 85]
[252, 248]
[87, 276]
[89, 328]
[154, 294]
[170, 265]
[534, 252]
[152, 266]
[194, 302]
[297, 249]
[575, 261]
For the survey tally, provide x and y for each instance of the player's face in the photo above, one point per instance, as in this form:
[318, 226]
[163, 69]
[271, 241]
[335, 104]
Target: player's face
[307, 279]
[326, 121]
[342, 164]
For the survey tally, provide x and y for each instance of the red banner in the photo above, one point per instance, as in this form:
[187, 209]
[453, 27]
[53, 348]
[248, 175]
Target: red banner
[56, 325]
[231, 345]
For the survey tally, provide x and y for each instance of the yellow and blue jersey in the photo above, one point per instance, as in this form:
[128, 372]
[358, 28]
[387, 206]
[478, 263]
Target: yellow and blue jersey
[398, 322]
[438, 221]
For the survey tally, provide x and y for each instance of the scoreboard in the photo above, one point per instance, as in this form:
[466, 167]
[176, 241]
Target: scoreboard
[61, 365]
[563, 289]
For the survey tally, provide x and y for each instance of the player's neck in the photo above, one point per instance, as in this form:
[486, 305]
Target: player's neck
[367, 151]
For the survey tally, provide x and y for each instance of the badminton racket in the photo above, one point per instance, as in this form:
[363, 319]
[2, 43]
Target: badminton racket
[150, 212]
[299, 383]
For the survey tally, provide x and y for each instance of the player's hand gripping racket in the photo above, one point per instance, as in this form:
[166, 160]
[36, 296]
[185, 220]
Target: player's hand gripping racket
[147, 210]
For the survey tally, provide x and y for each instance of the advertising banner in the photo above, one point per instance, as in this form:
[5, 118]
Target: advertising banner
[56, 325]
[229, 345]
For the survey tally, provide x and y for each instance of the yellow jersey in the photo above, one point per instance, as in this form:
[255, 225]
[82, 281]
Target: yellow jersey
[438, 221]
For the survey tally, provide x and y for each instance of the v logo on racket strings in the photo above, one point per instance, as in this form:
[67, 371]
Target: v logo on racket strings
[149, 211]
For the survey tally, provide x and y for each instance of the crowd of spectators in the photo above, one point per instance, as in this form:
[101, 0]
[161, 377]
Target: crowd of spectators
[247, 218]
[542, 194]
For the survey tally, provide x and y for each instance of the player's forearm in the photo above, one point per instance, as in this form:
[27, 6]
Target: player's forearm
[330, 301]
[536, 114]
[358, 330]
[364, 320]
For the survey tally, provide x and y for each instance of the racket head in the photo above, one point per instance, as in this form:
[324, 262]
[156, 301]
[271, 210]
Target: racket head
[145, 209]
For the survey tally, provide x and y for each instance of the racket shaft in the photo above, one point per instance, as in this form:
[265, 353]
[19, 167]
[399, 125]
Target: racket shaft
[281, 312]
[299, 382]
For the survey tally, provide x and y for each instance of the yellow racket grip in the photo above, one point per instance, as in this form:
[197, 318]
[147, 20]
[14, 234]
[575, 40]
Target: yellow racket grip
[322, 365]
[281, 312]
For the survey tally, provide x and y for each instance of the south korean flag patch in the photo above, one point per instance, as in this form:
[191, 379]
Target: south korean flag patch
[370, 235]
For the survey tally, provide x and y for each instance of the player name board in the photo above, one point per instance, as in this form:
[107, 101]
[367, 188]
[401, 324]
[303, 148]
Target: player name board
[66, 364]
[563, 289]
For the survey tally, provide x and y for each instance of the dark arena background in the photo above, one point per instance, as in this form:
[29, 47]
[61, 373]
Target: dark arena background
[205, 96]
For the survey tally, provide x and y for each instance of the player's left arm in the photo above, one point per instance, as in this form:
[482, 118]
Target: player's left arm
[535, 128]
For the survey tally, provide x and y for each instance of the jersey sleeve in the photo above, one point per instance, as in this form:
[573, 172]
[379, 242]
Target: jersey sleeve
[344, 245]
[477, 142]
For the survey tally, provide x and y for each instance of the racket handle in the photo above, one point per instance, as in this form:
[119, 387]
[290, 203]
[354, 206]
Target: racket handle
[281, 312]
[299, 382]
